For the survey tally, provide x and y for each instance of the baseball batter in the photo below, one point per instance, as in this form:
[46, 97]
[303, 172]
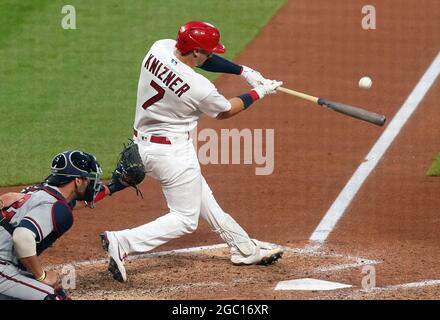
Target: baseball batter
[31, 221]
[171, 98]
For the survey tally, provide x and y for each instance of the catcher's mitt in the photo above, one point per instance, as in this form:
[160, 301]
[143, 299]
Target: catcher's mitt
[130, 170]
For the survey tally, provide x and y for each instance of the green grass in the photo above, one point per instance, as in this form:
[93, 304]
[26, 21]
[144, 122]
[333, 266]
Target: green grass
[434, 170]
[76, 89]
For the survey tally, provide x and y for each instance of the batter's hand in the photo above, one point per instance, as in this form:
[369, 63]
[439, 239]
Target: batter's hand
[267, 87]
[252, 77]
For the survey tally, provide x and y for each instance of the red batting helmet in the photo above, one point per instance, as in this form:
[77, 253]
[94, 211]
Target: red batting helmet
[199, 35]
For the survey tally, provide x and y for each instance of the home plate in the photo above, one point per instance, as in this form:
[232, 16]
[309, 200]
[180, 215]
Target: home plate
[310, 284]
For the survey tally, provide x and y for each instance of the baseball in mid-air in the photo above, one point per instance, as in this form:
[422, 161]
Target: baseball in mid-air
[365, 83]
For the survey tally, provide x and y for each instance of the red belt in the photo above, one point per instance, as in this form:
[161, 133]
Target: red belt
[154, 139]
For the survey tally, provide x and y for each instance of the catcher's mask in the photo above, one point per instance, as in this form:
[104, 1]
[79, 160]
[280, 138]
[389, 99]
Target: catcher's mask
[71, 164]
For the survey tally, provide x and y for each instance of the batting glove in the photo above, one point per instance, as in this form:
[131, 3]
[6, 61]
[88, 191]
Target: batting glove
[252, 77]
[267, 87]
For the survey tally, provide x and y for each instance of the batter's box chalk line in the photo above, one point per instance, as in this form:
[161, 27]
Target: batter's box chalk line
[411, 285]
[308, 250]
[391, 288]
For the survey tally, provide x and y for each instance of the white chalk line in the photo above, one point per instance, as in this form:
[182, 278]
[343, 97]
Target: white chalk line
[411, 285]
[360, 293]
[339, 267]
[312, 251]
[350, 190]
[357, 261]
[140, 256]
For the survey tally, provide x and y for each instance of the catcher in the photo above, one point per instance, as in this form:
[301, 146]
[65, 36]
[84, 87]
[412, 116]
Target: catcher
[35, 218]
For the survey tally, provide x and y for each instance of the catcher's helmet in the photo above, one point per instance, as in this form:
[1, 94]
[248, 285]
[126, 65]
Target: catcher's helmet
[199, 35]
[71, 164]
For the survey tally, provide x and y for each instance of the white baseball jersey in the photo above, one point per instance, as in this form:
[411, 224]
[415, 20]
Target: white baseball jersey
[171, 95]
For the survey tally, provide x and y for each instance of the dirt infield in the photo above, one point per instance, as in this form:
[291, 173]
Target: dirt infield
[393, 223]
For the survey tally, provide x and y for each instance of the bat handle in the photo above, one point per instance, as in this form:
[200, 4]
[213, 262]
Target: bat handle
[299, 94]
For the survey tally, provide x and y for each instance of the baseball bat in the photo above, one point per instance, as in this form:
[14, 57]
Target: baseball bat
[346, 109]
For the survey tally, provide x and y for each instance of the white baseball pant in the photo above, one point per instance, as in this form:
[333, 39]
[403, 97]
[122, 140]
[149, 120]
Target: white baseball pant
[188, 195]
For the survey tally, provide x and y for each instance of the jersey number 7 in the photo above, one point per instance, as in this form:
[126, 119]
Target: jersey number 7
[156, 97]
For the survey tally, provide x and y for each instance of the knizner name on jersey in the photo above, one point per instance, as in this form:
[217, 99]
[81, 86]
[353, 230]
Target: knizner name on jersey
[162, 72]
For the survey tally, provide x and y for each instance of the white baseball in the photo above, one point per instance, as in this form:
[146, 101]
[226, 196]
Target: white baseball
[365, 83]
